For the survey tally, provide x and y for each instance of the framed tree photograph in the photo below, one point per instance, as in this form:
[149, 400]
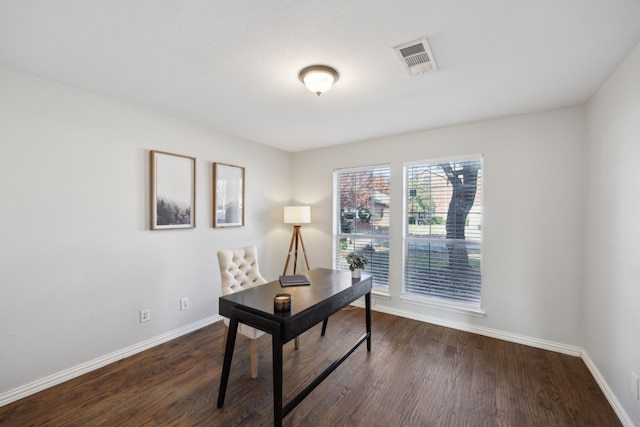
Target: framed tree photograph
[173, 191]
[228, 195]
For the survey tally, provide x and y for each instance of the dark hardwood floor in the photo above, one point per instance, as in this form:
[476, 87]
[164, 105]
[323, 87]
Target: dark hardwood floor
[417, 374]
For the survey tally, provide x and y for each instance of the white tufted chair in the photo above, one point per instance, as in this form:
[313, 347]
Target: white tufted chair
[239, 270]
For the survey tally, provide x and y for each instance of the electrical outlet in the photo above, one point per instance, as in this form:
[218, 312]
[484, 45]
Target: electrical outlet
[145, 315]
[635, 386]
[184, 303]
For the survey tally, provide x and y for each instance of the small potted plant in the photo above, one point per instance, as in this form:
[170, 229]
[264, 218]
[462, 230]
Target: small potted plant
[356, 262]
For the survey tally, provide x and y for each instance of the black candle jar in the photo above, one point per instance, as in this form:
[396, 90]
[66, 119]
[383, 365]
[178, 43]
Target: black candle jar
[282, 303]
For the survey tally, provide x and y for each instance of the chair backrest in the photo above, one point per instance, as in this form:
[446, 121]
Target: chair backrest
[239, 269]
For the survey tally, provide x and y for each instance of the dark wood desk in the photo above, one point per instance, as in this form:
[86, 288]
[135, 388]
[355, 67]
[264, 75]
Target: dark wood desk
[330, 291]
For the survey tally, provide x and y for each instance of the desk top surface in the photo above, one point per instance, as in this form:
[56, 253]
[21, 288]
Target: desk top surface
[328, 287]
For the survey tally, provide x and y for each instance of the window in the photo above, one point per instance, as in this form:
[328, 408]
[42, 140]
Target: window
[361, 219]
[443, 232]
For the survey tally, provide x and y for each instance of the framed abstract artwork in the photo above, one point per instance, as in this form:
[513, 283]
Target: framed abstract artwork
[228, 195]
[173, 191]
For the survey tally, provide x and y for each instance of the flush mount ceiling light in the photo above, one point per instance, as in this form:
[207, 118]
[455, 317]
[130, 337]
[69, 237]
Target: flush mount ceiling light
[318, 78]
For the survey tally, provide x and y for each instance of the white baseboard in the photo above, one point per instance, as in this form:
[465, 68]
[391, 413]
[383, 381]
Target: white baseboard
[493, 333]
[76, 371]
[613, 401]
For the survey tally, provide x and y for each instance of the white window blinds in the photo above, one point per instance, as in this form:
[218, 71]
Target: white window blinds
[443, 235]
[361, 218]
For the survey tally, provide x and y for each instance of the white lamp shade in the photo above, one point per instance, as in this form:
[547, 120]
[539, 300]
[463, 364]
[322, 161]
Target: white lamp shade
[297, 214]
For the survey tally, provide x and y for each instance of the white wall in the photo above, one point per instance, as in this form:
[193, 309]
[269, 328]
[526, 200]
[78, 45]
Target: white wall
[533, 195]
[77, 259]
[612, 262]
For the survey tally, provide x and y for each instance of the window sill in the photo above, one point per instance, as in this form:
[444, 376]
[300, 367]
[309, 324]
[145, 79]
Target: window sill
[456, 308]
[380, 294]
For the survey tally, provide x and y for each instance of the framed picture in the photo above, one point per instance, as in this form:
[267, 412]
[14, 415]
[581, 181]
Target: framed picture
[228, 195]
[173, 191]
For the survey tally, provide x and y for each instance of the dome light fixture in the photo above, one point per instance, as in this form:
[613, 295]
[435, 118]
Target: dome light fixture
[318, 78]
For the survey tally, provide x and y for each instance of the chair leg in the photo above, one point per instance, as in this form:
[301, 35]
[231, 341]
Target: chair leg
[254, 359]
[324, 326]
[224, 338]
[297, 341]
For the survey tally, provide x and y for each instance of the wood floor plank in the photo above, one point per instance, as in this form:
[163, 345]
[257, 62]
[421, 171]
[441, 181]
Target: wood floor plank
[417, 374]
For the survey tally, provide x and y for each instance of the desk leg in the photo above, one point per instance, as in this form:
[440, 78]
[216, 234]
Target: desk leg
[228, 355]
[367, 313]
[277, 379]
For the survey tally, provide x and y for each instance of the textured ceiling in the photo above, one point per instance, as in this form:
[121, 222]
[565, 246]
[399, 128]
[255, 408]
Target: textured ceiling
[233, 65]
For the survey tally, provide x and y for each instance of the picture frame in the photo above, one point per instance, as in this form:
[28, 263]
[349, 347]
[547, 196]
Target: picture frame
[173, 191]
[228, 195]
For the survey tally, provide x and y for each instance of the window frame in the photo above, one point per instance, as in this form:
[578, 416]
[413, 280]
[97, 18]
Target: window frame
[407, 239]
[380, 286]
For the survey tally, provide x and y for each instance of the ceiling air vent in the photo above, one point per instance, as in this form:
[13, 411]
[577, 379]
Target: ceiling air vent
[417, 57]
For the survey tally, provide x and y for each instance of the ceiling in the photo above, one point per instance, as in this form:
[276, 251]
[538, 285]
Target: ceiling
[233, 65]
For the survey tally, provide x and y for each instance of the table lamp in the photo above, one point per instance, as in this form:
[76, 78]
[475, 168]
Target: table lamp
[296, 215]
